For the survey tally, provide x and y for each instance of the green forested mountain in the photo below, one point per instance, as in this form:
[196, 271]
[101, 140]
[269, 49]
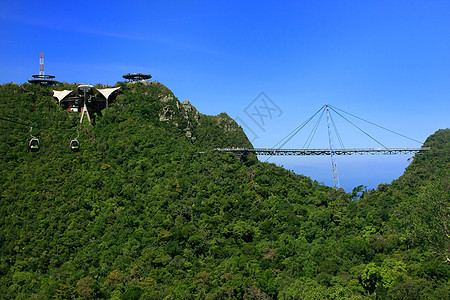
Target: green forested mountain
[147, 210]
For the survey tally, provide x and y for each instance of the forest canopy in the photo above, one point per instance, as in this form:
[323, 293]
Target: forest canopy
[148, 210]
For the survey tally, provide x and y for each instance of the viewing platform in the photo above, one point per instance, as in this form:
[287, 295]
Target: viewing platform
[44, 80]
[137, 77]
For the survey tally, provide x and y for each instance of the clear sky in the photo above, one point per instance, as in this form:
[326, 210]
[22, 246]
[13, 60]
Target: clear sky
[385, 61]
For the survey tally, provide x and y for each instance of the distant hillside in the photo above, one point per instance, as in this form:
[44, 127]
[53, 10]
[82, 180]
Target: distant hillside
[147, 210]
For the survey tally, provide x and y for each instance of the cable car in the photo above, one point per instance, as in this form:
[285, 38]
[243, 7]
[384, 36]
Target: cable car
[34, 145]
[75, 145]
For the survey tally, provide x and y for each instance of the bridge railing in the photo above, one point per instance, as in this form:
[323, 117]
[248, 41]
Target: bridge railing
[307, 152]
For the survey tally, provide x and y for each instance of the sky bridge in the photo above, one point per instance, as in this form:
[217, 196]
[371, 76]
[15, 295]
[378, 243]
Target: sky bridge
[308, 152]
[277, 150]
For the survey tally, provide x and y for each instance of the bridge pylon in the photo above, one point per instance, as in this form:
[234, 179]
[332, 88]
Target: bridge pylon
[332, 152]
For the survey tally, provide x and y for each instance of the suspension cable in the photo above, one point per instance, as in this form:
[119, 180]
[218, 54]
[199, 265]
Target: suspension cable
[287, 138]
[359, 128]
[337, 132]
[334, 108]
[313, 131]
[296, 130]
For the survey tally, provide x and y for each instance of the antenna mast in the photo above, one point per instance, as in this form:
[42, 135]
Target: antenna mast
[44, 80]
[332, 152]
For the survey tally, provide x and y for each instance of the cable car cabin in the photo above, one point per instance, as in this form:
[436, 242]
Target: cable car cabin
[75, 146]
[34, 145]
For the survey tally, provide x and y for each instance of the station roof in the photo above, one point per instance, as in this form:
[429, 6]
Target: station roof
[61, 95]
[107, 92]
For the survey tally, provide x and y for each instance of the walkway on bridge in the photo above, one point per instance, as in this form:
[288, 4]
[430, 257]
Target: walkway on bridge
[307, 152]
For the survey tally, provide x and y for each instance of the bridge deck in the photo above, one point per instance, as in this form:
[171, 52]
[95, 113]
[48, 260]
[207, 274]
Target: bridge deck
[304, 152]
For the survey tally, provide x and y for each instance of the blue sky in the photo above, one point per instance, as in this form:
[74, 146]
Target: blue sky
[385, 61]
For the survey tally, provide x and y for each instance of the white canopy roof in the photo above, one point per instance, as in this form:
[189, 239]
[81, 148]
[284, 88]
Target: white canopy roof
[107, 92]
[61, 94]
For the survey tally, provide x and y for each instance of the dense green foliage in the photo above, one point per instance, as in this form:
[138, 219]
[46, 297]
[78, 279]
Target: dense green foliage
[148, 210]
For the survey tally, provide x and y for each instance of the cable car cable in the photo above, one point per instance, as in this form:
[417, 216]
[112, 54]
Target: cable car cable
[34, 143]
[28, 125]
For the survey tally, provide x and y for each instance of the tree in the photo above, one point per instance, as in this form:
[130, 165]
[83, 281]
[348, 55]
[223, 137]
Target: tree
[430, 213]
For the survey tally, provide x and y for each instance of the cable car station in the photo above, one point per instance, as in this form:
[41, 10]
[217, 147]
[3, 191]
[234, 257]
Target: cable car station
[86, 99]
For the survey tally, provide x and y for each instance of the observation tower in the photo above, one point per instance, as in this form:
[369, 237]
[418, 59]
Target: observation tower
[41, 78]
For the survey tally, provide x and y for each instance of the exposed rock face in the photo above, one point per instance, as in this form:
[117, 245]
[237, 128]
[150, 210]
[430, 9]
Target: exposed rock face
[186, 117]
[173, 111]
[189, 133]
[191, 114]
[166, 114]
[188, 108]
[227, 123]
[165, 98]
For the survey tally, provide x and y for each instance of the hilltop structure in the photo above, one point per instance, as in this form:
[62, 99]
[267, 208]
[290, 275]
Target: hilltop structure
[133, 77]
[86, 98]
[44, 80]
[41, 78]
